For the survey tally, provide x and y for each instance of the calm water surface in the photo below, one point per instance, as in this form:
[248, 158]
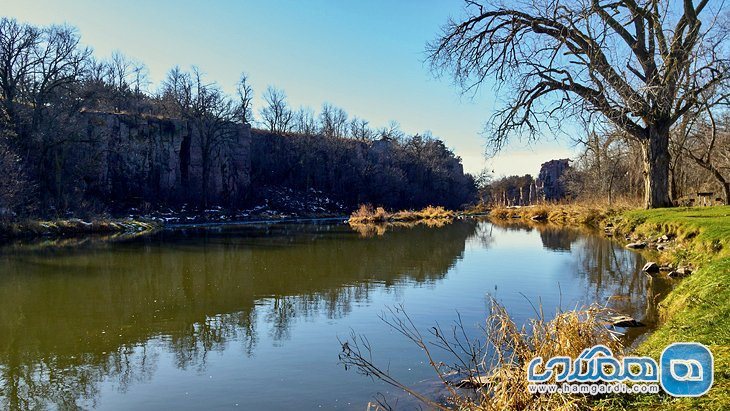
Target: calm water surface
[249, 317]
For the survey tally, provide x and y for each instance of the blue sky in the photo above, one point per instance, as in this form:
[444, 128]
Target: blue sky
[367, 57]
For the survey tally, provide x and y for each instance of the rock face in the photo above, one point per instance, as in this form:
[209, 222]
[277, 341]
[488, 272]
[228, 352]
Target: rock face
[549, 185]
[167, 161]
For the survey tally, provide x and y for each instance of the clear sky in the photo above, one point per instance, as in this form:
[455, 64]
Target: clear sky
[366, 57]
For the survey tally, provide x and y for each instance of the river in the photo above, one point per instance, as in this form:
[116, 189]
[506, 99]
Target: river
[249, 317]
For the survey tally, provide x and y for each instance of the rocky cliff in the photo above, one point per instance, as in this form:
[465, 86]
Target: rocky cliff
[549, 184]
[165, 161]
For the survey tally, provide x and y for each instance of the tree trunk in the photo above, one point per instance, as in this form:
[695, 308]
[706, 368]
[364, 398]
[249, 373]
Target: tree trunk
[656, 168]
[726, 188]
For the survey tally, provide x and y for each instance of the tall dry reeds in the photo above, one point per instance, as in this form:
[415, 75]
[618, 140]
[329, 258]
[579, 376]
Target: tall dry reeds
[367, 214]
[490, 373]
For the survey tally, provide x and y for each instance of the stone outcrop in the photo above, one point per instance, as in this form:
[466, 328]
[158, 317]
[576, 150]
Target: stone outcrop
[162, 160]
[651, 267]
[549, 184]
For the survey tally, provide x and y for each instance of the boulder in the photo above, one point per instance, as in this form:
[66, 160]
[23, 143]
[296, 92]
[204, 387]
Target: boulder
[636, 245]
[680, 272]
[476, 381]
[651, 267]
[624, 321]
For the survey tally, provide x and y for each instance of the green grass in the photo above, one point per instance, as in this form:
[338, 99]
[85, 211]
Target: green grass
[698, 309]
[704, 231]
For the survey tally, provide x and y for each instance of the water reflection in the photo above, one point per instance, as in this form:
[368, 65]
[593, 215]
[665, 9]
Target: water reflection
[68, 318]
[72, 320]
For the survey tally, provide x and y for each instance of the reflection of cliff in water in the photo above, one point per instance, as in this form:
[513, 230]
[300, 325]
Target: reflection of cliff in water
[70, 318]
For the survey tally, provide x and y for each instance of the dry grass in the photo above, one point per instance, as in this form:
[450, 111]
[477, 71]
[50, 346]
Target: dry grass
[498, 366]
[576, 213]
[567, 334]
[366, 214]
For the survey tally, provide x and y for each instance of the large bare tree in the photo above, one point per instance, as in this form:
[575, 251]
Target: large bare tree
[639, 64]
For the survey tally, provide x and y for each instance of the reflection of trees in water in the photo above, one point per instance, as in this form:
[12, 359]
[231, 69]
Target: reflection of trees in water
[34, 380]
[484, 234]
[192, 345]
[613, 274]
[70, 319]
[558, 239]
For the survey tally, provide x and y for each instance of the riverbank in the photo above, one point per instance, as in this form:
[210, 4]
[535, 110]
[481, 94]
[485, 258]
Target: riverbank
[697, 309]
[73, 227]
[563, 214]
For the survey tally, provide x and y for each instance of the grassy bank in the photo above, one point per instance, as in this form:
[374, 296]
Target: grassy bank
[698, 309]
[26, 229]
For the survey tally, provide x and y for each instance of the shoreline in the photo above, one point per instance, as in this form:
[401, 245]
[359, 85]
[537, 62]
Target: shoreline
[79, 228]
[696, 309]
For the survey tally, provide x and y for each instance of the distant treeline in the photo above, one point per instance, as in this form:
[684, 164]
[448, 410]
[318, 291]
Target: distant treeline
[398, 173]
[54, 162]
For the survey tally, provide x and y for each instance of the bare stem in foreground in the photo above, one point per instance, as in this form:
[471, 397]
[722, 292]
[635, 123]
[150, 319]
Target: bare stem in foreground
[489, 374]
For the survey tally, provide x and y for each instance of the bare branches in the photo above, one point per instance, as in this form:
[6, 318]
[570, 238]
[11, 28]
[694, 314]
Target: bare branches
[551, 51]
[245, 97]
[631, 63]
[34, 64]
[276, 115]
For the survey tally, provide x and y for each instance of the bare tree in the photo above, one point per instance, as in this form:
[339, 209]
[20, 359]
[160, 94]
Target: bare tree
[208, 110]
[625, 61]
[359, 129]
[305, 122]
[119, 69]
[40, 73]
[276, 115]
[391, 132]
[34, 64]
[245, 97]
[601, 165]
[14, 186]
[708, 145]
[333, 121]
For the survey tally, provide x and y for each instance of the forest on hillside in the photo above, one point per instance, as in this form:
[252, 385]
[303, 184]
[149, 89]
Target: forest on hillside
[186, 142]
